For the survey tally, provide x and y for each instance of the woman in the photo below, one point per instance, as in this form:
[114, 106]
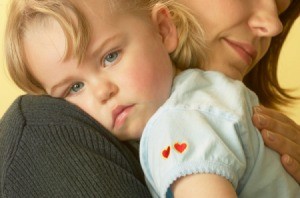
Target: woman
[279, 132]
[51, 148]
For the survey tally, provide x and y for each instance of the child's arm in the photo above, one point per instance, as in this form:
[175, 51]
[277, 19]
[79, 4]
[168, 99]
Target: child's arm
[203, 185]
[171, 148]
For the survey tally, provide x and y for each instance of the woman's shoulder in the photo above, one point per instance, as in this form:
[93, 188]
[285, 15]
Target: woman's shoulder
[45, 110]
[46, 144]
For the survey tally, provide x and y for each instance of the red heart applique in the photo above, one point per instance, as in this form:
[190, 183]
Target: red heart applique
[180, 147]
[166, 152]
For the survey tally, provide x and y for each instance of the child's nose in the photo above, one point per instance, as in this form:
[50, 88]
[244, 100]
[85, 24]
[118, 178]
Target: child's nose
[105, 90]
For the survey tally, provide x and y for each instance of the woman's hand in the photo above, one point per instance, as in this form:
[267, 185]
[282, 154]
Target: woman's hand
[281, 134]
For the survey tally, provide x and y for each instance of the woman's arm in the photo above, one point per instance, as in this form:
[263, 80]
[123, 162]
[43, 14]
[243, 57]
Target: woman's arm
[203, 185]
[281, 134]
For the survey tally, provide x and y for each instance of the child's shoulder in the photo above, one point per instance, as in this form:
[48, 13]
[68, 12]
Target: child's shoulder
[210, 89]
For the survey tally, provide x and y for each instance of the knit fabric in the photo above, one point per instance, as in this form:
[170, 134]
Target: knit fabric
[50, 148]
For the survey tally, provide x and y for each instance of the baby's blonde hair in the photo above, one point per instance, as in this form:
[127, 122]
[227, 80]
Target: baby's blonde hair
[24, 13]
[190, 52]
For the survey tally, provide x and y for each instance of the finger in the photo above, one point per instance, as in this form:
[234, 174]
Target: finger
[274, 114]
[281, 144]
[292, 166]
[264, 122]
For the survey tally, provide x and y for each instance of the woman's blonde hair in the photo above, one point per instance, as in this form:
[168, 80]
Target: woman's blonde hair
[24, 13]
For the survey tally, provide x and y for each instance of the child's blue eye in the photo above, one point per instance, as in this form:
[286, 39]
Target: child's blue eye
[76, 87]
[110, 58]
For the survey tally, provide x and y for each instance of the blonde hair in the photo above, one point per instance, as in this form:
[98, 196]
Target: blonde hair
[190, 52]
[24, 13]
[21, 16]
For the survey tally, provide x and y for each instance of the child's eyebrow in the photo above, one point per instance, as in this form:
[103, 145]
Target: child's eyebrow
[58, 85]
[100, 46]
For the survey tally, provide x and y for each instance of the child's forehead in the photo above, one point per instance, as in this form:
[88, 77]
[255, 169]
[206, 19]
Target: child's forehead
[101, 7]
[96, 12]
[97, 15]
[45, 35]
[42, 27]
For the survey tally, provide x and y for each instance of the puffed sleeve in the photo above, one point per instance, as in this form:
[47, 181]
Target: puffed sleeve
[180, 141]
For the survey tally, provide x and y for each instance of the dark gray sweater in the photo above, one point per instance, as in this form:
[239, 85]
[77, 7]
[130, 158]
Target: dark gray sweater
[50, 148]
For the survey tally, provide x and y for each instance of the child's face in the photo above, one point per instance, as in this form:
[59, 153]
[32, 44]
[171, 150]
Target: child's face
[126, 74]
[238, 32]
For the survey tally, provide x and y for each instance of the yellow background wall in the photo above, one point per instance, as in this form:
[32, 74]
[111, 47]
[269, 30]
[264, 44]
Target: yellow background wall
[289, 72]
[289, 68]
[8, 90]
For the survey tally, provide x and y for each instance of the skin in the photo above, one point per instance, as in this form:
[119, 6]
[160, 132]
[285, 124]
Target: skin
[282, 135]
[249, 25]
[111, 76]
[286, 133]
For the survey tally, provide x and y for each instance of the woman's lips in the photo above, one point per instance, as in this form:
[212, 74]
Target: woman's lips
[246, 51]
[119, 115]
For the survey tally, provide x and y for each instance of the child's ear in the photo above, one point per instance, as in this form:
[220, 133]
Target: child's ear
[162, 19]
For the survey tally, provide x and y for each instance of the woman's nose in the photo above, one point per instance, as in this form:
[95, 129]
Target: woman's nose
[264, 20]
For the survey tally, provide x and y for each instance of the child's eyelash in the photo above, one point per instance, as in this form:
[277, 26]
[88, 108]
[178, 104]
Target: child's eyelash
[116, 52]
[68, 91]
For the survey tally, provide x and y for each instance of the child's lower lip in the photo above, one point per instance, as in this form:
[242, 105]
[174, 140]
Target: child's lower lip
[121, 117]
